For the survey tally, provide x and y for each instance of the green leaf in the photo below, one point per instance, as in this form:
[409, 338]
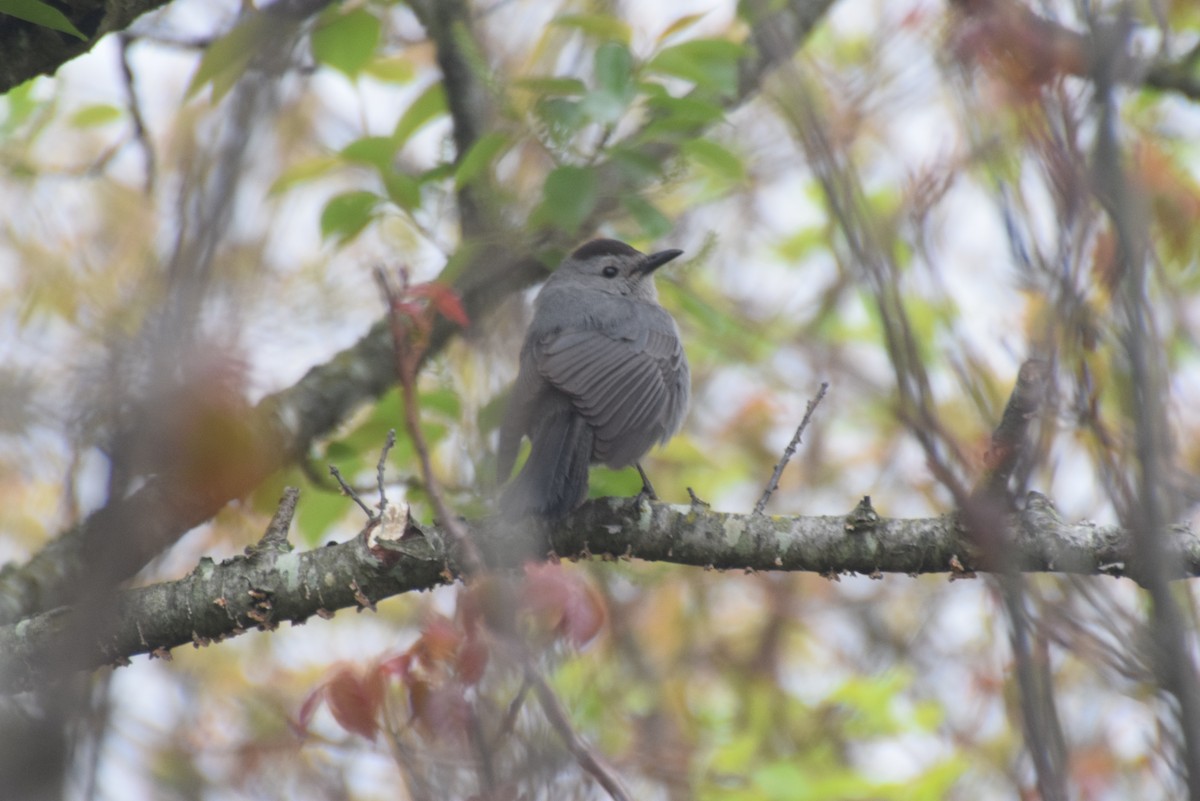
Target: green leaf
[347, 214]
[550, 86]
[40, 13]
[568, 197]
[428, 106]
[303, 171]
[397, 69]
[562, 117]
[685, 113]
[599, 26]
[374, 151]
[709, 63]
[653, 222]
[402, 189]
[614, 70]
[227, 58]
[19, 106]
[480, 157]
[444, 401]
[615, 88]
[347, 42]
[680, 25]
[95, 115]
[723, 162]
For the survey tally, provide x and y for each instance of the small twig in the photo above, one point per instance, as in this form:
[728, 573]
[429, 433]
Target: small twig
[790, 450]
[514, 708]
[388, 444]
[135, 115]
[348, 490]
[276, 535]
[585, 756]
[1008, 440]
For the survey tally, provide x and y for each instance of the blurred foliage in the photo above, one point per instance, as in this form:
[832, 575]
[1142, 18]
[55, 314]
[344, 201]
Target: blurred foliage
[693, 684]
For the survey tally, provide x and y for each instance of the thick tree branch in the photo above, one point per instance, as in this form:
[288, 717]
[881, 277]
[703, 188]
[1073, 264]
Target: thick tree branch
[271, 585]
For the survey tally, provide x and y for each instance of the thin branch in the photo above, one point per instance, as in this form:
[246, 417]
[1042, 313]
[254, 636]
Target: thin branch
[587, 758]
[790, 450]
[351, 492]
[140, 134]
[388, 444]
[1009, 439]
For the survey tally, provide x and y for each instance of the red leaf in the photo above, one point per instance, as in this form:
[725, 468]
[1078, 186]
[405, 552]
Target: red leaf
[445, 300]
[355, 700]
[472, 660]
[563, 602]
[584, 614]
[308, 709]
[438, 643]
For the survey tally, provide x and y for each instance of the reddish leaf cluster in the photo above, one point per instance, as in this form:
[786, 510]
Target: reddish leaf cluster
[412, 311]
[561, 603]
[1010, 41]
[451, 656]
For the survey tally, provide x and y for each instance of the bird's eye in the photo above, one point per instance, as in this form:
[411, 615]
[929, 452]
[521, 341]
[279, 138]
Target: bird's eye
[610, 271]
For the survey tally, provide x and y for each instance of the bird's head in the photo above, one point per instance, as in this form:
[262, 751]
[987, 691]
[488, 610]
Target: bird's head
[612, 266]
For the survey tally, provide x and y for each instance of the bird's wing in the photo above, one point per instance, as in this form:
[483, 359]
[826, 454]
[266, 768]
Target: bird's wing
[629, 389]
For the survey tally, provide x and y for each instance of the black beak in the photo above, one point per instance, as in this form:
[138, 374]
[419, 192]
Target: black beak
[656, 260]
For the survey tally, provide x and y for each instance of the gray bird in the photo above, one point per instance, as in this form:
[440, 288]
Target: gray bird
[603, 378]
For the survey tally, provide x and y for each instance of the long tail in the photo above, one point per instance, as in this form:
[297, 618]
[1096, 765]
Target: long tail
[554, 480]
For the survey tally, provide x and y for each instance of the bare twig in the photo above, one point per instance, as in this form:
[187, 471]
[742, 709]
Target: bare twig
[276, 535]
[350, 491]
[588, 759]
[1008, 440]
[140, 134]
[790, 450]
[388, 444]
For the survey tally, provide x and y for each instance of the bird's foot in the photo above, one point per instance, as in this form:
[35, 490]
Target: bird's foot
[647, 492]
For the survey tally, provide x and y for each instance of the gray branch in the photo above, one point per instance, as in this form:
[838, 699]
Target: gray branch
[271, 585]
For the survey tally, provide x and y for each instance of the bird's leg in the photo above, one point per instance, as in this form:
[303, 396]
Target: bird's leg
[647, 487]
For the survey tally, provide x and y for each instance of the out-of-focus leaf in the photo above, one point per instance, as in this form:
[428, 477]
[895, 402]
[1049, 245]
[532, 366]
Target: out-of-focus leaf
[723, 162]
[398, 69]
[376, 151]
[684, 113]
[95, 115]
[615, 88]
[226, 59]
[356, 700]
[653, 222]
[303, 171]
[568, 197]
[347, 41]
[680, 25]
[429, 105]
[599, 26]
[480, 157]
[614, 69]
[402, 189]
[562, 117]
[347, 214]
[709, 63]
[551, 86]
[40, 13]
[19, 105]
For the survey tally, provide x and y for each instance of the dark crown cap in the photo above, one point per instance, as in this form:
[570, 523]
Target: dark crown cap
[603, 247]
